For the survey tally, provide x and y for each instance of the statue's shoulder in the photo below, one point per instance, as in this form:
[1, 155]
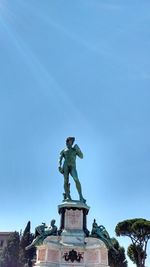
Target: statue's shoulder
[62, 151]
[65, 150]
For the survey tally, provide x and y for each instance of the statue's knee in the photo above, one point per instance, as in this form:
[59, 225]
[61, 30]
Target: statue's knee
[75, 177]
[66, 179]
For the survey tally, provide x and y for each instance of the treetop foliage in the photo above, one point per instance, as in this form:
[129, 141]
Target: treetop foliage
[137, 229]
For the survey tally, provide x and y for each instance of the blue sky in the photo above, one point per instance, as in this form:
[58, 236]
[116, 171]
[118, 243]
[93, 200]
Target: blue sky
[74, 68]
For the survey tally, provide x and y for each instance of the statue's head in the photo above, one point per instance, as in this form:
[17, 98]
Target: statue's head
[70, 141]
[53, 222]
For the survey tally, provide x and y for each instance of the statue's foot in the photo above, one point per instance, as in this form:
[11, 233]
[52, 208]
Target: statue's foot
[82, 200]
[68, 198]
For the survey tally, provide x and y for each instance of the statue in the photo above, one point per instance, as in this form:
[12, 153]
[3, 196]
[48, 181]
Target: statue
[69, 167]
[41, 233]
[101, 233]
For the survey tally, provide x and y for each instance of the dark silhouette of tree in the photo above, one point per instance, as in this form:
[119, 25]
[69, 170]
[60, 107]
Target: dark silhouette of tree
[26, 256]
[133, 252]
[138, 230]
[116, 256]
[10, 254]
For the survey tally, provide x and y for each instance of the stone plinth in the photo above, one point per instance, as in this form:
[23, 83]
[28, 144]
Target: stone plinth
[73, 221]
[53, 253]
[73, 247]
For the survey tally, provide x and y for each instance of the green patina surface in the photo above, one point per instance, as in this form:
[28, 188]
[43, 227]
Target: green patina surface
[67, 166]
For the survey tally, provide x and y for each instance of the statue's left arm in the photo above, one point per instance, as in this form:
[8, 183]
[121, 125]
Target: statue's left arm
[78, 151]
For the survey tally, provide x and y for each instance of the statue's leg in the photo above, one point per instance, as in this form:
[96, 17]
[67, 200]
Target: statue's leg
[77, 182]
[66, 184]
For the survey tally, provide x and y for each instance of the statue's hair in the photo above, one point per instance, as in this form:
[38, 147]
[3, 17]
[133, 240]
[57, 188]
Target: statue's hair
[70, 138]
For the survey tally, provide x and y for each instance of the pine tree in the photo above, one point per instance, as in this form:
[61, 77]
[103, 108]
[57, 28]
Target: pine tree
[138, 230]
[25, 256]
[133, 253]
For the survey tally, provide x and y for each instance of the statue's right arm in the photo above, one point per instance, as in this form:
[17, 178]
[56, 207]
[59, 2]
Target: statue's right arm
[60, 161]
[78, 151]
[61, 158]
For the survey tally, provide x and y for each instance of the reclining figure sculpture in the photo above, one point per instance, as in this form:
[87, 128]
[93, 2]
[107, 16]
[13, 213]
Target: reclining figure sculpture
[101, 233]
[41, 232]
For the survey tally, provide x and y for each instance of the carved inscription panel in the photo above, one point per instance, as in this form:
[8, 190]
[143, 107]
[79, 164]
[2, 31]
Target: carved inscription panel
[53, 255]
[104, 256]
[74, 219]
[41, 254]
[93, 256]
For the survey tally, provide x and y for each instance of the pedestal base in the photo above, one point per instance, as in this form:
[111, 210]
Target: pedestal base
[73, 248]
[54, 253]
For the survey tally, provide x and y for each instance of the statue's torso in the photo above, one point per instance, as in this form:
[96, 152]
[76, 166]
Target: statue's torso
[70, 157]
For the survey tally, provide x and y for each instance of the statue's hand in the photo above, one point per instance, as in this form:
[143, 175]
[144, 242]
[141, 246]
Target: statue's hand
[76, 147]
[60, 169]
[78, 151]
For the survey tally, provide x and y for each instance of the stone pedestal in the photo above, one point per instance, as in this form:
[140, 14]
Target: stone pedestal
[73, 221]
[72, 248]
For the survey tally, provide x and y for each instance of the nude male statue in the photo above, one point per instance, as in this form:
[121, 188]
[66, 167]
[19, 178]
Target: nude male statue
[68, 157]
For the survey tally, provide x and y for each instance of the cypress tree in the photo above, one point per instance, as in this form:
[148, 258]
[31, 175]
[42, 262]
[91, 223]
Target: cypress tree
[25, 256]
[10, 254]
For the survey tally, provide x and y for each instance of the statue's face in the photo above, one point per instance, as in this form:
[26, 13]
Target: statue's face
[69, 143]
